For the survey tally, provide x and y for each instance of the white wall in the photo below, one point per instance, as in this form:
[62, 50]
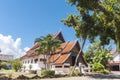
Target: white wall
[35, 66]
[116, 57]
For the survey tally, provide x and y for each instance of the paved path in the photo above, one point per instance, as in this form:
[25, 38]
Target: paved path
[91, 77]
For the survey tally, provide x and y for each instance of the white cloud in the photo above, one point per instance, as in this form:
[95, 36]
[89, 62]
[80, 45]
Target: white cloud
[12, 47]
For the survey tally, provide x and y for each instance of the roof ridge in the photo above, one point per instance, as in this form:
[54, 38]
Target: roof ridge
[73, 44]
[66, 58]
[60, 53]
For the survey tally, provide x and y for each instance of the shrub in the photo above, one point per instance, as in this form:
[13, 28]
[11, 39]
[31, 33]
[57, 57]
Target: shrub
[97, 67]
[4, 65]
[77, 73]
[106, 71]
[30, 66]
[16, 64]
[48, 73]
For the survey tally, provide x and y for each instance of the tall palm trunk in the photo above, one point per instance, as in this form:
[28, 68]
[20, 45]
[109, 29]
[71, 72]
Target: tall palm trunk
[45, 61]
[76, 60]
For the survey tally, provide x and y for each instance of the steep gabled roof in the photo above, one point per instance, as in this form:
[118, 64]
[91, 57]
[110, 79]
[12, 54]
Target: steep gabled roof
[61, 54]
[62, 59]
[58, 36]
[31, 52]
[65, 53]
[69, 47]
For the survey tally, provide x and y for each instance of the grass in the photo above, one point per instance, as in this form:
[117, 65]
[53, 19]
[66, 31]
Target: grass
[13, 74]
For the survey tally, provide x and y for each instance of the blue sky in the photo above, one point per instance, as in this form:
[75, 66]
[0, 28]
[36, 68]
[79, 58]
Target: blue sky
[29, 19]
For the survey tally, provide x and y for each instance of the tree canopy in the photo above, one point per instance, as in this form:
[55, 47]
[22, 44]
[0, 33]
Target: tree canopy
[48, 45]
[96, 18]
[97, 54]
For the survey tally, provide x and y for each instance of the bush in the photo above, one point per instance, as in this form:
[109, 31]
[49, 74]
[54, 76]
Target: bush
[48, 73]
[4, 65]
[77, 73]
[97, 67]
[16, 64]
[106, 71]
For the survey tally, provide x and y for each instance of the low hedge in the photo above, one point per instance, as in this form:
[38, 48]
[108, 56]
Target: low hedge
[48, 73]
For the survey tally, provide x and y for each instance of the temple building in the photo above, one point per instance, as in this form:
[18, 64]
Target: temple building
[115, 63]
[60, 61]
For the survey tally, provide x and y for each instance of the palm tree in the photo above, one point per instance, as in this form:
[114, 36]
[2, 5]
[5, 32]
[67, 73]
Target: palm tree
[47, 47]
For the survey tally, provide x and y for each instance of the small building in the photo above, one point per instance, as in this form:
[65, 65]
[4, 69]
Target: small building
[4, 57]
[60, 61]
[115, 63]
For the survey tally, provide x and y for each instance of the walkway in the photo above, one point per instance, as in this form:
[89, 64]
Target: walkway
[91, 77]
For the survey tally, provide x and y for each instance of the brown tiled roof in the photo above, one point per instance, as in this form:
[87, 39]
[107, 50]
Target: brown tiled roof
[60, 55]
[69, 47]
[31, 52]
[54, 57]
[62, 58]
[55, 35]
[58, 36]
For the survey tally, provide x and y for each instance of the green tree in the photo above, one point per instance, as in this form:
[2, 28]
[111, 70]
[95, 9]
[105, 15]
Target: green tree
[16, 64]
[47, 47]
[97, 54]
[96, 18]
[102, 56]
[92, 50]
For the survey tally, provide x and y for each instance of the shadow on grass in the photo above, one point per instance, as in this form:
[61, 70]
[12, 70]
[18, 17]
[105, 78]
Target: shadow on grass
[104, 76]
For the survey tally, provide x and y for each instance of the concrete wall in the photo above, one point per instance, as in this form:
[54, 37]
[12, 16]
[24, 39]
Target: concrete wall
[116, 57]
[35, 66]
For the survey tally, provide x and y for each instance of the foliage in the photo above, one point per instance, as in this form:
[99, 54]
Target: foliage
[97, 54]
[102, 57]
[97, 18]
[75, 73]
[16, 64]
[48, 72]
[48, 45]
[3, 65]
[97, 67]
[91, 51]
[106, 71]
[30, 66]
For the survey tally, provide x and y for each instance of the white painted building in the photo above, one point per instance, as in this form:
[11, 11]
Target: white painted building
[115, 63]
[60, 61]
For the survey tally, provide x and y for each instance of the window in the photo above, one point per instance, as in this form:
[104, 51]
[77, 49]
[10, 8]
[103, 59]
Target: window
[58, 66]
[66, 66]
[42, 59]
[36, 60]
